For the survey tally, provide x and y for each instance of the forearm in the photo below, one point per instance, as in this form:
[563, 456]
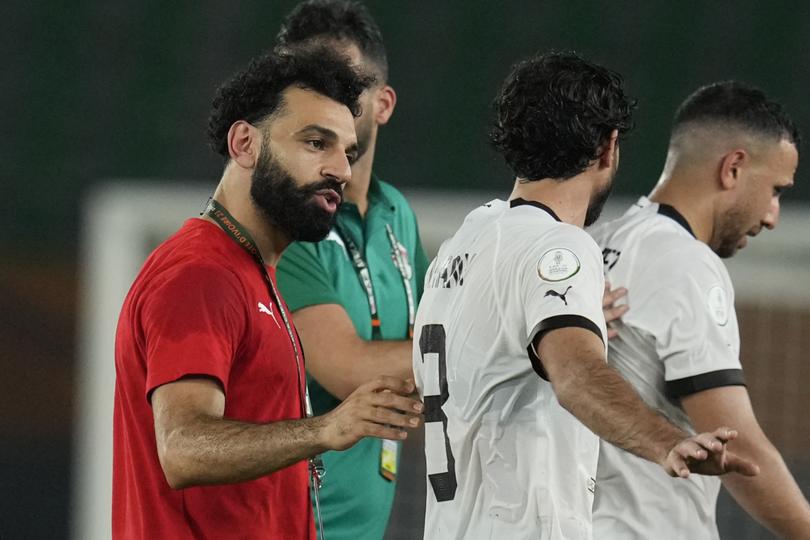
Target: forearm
[209, 450]
[360, 362]
[609, 406]
[773, 498]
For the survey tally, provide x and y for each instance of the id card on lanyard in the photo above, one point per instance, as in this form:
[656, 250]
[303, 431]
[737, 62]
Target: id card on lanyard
[390, 449]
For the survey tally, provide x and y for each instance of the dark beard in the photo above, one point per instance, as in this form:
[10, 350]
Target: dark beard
[596, 205]
[291, 208]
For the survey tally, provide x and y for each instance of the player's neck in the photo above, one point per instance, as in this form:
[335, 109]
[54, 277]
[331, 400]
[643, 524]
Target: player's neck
[235, 197]
[356, 191]
[568, 199]
[685, 196]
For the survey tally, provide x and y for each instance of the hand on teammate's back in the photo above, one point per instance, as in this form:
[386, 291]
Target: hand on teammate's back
[380, 408]
[613, 314]
[706, 453]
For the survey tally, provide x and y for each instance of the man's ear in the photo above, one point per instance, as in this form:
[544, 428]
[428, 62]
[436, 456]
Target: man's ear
[609, 152]
[730, 166]
[244, 141]
[384, 103]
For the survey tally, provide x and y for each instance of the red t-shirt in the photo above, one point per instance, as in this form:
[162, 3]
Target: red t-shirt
[200, 306]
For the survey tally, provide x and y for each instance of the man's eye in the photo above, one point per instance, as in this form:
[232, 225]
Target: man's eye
[352, 158]
[317, 144]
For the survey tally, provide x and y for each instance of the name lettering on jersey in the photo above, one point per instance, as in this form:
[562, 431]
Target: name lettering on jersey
[450, 273]
[552, 292]
[717, 304]
[558, 264]
[610, 257]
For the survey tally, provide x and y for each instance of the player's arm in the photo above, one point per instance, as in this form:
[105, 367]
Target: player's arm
[602, 400]
[339, 359]
[198, 446]
[772, 498]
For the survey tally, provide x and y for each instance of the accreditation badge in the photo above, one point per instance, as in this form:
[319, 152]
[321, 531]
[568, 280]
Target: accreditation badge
[388, 459]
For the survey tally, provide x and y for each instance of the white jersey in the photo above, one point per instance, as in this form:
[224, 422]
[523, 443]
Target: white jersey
[504, 459]
[679, 337]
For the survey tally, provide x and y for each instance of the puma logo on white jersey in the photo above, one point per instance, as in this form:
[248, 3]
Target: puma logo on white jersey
[269, 311]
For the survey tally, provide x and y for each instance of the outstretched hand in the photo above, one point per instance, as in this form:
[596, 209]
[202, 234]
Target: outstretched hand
[613, 314]
[380, 408]
[706, 453]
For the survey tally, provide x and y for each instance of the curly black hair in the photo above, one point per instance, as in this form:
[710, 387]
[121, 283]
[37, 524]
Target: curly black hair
[554, 112]
[339, 20]
[733, 102]
[255, 93]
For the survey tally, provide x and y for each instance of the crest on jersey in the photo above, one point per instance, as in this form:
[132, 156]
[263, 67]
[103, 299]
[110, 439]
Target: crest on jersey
[718, 305]
[558, 264]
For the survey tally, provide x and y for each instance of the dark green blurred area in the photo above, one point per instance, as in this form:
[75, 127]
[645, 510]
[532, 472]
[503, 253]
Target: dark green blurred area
[99, 90]
[93, 91]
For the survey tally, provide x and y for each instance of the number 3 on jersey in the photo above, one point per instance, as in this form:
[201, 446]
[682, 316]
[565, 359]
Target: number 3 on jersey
[441, 465]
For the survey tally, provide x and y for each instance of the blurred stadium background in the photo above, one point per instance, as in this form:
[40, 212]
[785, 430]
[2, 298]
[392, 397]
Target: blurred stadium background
[101, 91]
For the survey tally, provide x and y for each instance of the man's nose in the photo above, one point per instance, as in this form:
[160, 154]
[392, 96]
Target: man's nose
[771, 218]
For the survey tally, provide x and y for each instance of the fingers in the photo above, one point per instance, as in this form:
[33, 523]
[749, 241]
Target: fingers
[676, 465]
[391, 400]
[385, 401]
[735, 463]
[609, 296]
[692, 449]
[614, 313]
[370, 429]
[384, 382]
[706, 453]
[725, 434]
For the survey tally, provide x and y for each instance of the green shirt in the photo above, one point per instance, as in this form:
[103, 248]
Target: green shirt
[356, 499]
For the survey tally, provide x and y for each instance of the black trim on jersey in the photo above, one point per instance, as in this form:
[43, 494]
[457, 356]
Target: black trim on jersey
[553, 323]
[523, 202]
[705, 381]
[672, 213]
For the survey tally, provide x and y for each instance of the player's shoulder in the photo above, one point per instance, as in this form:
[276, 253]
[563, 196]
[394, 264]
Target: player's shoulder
[565, 235]
[198, 251]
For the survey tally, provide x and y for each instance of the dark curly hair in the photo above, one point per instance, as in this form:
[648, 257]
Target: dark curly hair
[739, 104]
[554, 112]
[255, 93]
[335, 19]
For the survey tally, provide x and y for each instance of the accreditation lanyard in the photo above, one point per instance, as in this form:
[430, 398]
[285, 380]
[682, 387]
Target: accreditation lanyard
[364, 275]
[241, 236]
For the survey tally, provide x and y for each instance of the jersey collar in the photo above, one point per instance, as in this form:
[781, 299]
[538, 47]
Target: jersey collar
[672, 213]
[523, 202]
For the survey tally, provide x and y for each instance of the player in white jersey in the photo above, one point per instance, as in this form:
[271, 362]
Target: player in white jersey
[731, 154]
[509, 448]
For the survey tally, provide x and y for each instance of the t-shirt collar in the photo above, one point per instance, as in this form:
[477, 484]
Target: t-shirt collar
[523, 202]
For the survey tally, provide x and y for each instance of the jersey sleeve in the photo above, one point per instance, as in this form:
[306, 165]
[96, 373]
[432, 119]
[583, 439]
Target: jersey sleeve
[193, 324]
[690, 313]
[303, 278]
[562, 286]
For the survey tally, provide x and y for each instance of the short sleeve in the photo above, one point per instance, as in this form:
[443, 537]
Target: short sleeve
[303, 278]
[562, 284]
[690, 313]
[193, 323]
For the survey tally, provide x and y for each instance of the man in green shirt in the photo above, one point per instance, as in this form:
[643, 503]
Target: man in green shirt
[354, 294]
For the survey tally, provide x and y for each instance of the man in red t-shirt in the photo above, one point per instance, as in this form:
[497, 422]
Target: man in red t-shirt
[211, 434]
